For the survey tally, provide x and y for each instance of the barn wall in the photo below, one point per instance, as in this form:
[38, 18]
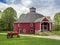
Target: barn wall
[15, 27]
[26, 27]
[37, 28]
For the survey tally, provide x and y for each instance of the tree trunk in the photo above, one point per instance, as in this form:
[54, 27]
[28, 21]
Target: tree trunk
[9, 27]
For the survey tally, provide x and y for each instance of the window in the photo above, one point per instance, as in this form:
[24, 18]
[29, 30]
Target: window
[32, 31]
[24, 30]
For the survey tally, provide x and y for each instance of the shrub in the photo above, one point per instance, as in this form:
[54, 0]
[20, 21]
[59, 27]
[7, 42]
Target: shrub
[56, 27]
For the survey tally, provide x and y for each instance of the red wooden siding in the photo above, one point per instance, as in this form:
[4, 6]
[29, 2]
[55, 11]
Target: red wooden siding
[27, 27]
[15, 27]
[24, 26]
[37, 26]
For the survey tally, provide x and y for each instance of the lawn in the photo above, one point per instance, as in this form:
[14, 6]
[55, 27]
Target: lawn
[56, 32]
[27, 41]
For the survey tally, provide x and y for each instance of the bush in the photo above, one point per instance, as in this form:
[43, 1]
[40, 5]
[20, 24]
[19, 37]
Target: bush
[5, 29]
[56, 27]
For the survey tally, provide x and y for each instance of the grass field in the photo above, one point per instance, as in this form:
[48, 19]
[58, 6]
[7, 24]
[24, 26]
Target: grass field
[27, 41]
[56, 32]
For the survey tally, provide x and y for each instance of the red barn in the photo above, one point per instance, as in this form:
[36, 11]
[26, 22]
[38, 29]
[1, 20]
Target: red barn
[32, 23]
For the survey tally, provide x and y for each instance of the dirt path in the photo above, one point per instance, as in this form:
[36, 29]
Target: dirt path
[50, 37]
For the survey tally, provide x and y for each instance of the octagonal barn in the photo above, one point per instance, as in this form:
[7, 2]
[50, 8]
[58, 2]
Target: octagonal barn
[32, 23]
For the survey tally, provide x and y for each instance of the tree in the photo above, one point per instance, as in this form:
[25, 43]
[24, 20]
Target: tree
[0, 14]
[57, 18]
[57, 21]
[1, 25]
[21, 15]
[9, 15]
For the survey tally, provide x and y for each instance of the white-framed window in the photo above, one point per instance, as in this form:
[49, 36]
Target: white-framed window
[24, 30]
[31, 30]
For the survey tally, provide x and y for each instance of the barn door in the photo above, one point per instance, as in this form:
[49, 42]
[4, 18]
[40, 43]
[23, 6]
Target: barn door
[46, 27]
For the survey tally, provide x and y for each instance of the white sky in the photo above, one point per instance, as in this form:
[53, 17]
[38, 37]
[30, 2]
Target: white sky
[45, 7]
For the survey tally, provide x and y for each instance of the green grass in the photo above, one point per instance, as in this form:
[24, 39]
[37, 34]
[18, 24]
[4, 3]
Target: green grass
[46, 33]
[27, 41]
[56, 32]
[50, 33]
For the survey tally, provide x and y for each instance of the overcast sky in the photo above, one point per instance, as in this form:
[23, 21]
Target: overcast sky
[45, 7]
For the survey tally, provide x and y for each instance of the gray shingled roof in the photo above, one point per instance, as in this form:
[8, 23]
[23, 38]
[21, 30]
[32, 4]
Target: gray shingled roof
[29, 17]
[40, 19]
